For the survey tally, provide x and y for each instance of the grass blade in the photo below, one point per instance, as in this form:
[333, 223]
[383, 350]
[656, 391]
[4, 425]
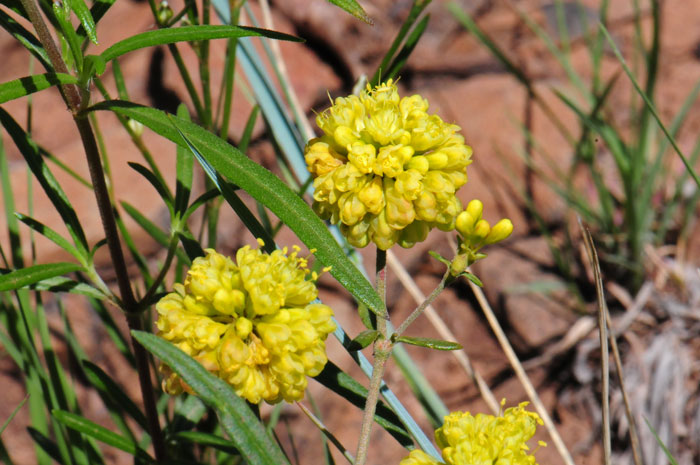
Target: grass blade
[354, 8]
[30, 84]
[25, 276]
[188, 34]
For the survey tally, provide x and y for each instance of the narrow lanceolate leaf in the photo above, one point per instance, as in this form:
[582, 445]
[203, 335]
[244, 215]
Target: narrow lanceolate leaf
[63, 284]
[238, 420]
[50, 234]
[87, 427]
[83, 13]
[364, 339]
[354, 8]
[264, 187]
[189, 34]
[429, 343]
[19, 278]
[30, 84]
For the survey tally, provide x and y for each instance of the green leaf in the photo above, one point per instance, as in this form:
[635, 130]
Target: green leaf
[26, 38]
[347, 387]
[473, 278]
[52, 235]
[63, 284]
[236, 417]
[668, 453]
[183, 170]
[91, 429]
[31, 84]
[229, 193]
[264, 187]
[48, 182]
[161, 188]
[405, 52]
[17, 279]
[83, 13]
[115, 393]
[206, 439]
[154, 231]
[188, 34]
[439, 258]
[93, 65]
[364, 339]
[429, 343]
[12, 415]
[354, 8]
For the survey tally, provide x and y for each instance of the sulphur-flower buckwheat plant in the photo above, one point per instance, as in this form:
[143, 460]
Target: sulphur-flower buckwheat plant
[483, 439]
[386, 169]
[252, 323]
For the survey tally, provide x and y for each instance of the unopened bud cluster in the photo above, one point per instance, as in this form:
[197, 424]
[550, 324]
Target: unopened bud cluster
[474, 233]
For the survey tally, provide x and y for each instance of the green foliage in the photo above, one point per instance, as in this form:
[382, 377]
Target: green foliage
[624, 223]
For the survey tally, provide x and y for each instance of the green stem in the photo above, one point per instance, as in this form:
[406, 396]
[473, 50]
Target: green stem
[382, 352]
[75, 101]
[421, 308]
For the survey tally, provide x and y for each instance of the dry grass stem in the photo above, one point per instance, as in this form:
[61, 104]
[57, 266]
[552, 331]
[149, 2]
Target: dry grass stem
[604, 353]
[319, 424]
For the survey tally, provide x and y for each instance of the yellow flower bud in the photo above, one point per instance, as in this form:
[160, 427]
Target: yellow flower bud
[475, 209]
[465, 223]
[481, 229]
[499, 231]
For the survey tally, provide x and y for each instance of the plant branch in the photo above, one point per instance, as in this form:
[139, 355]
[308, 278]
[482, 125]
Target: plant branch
[421, 308]
[382, 352]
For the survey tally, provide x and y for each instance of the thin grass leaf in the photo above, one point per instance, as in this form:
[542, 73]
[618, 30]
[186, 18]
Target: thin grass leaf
[25, 276]
[12, 415]
[354, 8]
[430, 343]
[416, 9]
[206, 439]
[668, 453]
[411, 42]
[63, 284]
[26, 38]
[239, 422]
[154, 231]
[189, 34]
[183, 170]
[463, 18]
[161, 188]
[52, 188]
[97, 11]
[229, 194]
[46, 445]
[30, 84]
[53, 236]
[347, 387]
[61, 13]
[266, 188]
[9, 203]
[104, 384]
[102, 434]
[85, 16]
[649, 105]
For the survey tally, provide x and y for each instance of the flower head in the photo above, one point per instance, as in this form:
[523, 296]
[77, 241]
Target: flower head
[251, 323]
[385, 169]
[483, 439]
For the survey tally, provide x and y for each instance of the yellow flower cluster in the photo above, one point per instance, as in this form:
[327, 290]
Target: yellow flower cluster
[251, 323]
[475, 232]
[385, 169]
[483, 439]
